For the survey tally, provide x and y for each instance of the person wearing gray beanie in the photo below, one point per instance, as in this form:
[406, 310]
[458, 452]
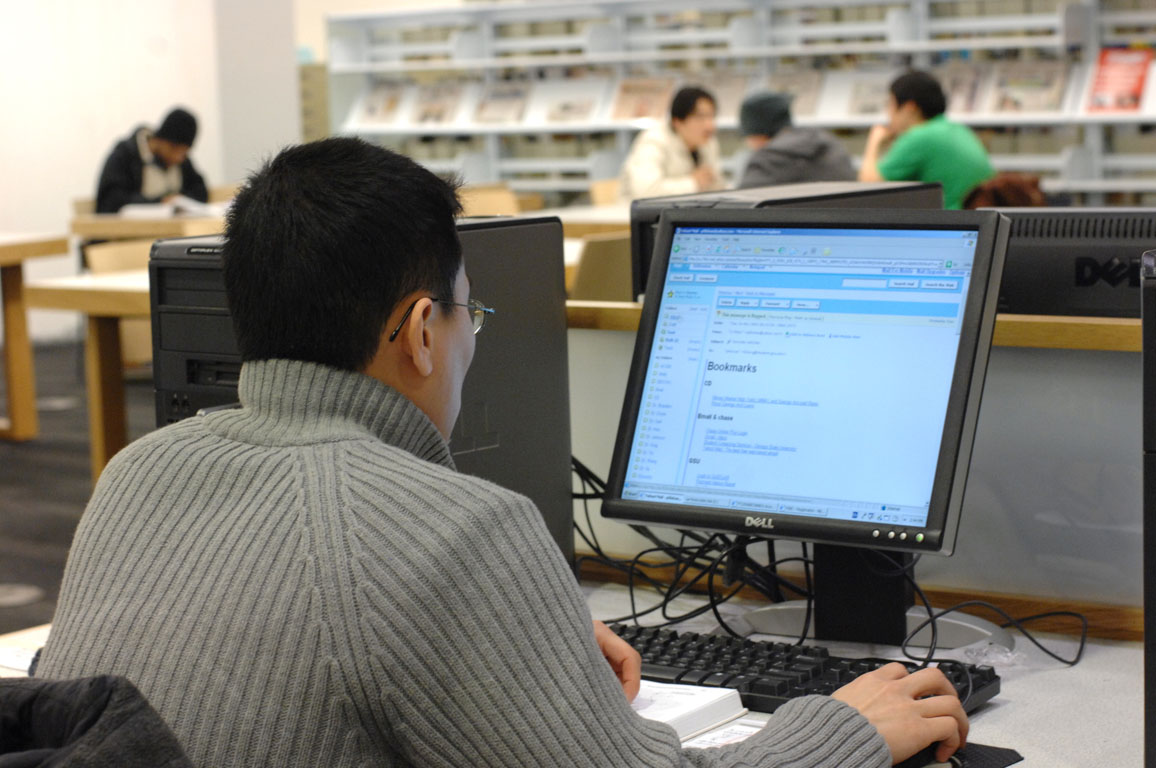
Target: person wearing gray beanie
[152, 166]
[782, 153]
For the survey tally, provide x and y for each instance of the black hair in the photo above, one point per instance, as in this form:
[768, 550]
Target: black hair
[686, 100]
[325, 240]
[921, 88]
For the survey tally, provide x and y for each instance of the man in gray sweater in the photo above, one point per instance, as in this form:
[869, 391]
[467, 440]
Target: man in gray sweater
[307, 581]
[782, 153]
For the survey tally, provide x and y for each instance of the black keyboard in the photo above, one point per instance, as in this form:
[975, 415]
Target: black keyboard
[768, 675]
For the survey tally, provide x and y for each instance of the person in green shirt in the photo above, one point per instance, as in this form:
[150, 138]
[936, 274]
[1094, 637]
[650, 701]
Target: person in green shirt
[924, 144]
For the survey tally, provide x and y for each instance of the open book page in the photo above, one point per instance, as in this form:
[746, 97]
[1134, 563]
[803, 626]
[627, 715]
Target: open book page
[689, 709]
[179, 205]
[15, 660]
[731, 733]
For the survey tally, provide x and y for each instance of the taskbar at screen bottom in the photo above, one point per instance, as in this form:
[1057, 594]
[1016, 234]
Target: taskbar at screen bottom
[756, 504]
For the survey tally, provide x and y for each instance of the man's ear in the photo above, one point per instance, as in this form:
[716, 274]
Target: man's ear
[418, 337]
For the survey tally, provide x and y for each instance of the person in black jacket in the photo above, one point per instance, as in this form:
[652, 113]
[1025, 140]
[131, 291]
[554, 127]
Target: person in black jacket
[152, 166]
[782, 153]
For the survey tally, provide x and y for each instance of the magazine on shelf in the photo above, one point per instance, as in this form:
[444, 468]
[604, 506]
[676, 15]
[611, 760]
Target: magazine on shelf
[380, 103]
[729, 90]
[438, 102]
[689, 709]
[640, 97]
[869, 94]
[802, 85]
[503, 103]
[961, 83]
[1119, 79]
[568, 100]
[1027, 86]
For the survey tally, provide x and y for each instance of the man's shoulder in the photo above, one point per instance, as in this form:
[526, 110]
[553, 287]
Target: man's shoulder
[426, 479]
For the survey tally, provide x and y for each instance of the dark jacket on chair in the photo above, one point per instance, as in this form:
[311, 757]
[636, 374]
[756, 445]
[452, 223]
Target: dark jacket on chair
[89, 722]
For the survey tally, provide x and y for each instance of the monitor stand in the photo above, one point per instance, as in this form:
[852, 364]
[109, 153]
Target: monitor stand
[861, 596]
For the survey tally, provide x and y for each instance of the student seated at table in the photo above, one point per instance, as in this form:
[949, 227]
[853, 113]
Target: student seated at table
[307, 581]
[782, 153]
[152, 166]
[919, 143]
[678, 157]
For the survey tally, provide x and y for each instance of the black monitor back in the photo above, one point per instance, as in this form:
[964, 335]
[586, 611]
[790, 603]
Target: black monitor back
[514, 427]
[1075, 261]
[644, 213]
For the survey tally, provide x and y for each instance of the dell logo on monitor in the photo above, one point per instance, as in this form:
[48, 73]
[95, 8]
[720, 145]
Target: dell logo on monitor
[760, 522]
[1113, 272]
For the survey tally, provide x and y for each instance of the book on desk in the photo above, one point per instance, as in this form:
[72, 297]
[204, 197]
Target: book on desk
[690, 709]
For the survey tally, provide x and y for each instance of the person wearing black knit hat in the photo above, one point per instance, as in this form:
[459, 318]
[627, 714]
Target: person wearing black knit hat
[784, 154]
[152, 166]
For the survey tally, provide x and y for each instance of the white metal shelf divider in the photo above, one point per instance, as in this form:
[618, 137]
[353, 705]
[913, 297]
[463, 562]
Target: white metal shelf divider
[484, 39]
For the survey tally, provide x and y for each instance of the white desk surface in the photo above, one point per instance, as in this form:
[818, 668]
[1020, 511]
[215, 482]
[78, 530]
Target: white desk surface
[1054, 715]
[135, 280]
[1091, 714]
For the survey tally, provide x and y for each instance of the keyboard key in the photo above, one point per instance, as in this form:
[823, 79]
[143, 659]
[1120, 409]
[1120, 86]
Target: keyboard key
[660, 673]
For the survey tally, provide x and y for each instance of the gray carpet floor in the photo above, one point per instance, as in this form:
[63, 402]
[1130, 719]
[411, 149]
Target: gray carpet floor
[45, 483]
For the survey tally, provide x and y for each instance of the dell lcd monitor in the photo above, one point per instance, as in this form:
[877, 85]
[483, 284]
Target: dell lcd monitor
[813, 375]
[1075, 261]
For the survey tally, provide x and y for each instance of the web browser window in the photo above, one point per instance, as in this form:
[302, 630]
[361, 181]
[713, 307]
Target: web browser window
[802, 371]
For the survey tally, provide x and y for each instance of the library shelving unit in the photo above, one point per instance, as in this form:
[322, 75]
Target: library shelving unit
[548, 95]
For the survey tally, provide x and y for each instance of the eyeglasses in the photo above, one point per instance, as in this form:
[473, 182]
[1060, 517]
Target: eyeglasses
[478, 312]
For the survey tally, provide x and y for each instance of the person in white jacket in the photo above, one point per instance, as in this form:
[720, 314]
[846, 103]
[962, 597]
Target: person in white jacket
[676, 158]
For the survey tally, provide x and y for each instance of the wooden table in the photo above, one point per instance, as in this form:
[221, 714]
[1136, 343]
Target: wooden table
[109, 297]
[1040, 331]
[104, 299]
[112, 226]
[22, 422]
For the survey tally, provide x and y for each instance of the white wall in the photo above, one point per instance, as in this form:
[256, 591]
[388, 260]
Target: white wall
[259, 94]
[75, 77]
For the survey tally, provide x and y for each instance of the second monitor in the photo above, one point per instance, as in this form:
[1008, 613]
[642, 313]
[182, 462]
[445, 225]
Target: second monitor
[644, 213]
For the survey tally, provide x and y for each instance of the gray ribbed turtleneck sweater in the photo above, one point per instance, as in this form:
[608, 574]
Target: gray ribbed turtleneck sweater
[307, 581]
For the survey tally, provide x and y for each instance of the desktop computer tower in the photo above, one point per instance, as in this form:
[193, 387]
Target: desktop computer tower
[514, 426]
[644, 213]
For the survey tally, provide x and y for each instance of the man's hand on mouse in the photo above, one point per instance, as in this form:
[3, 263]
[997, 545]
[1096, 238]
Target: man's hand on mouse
[910, 710]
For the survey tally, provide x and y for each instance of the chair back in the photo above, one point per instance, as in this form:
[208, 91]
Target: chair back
[136, 340]
[488, 200]
[604, 272]
[605, 191]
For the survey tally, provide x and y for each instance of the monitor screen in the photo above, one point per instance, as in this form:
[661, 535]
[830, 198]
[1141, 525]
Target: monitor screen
[811, 375]
[644, 213]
